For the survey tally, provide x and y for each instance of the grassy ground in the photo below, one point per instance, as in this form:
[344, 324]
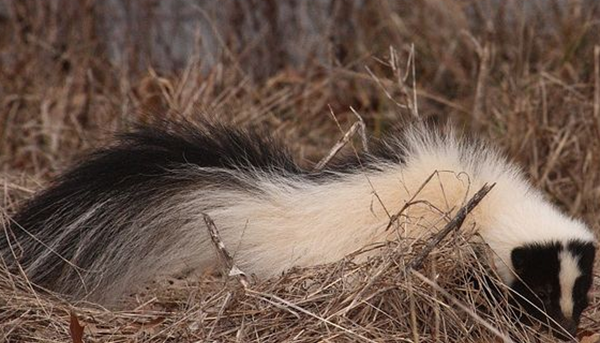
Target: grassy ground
[526, 77]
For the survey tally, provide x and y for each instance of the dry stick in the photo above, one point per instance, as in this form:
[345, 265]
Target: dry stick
[410, 201]
[359, 125]
[232, 269]
[411, 102]
[363, 130]
[337, 147]
[219, 314]
[597, 86]
[556, 155]
[484, 55]
[380, 84]
[415, 104]
[413, 311]
[453, 225]
[365, 143]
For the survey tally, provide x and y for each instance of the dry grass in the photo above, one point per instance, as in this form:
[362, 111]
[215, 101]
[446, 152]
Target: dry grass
[526, 76]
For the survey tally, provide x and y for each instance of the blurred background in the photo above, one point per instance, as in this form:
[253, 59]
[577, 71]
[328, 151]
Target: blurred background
[524, 74]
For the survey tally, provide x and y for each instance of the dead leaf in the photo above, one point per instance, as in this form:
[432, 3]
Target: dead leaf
[76, 329]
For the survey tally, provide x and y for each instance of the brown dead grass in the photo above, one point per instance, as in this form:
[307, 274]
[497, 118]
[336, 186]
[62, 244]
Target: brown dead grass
[525, 76]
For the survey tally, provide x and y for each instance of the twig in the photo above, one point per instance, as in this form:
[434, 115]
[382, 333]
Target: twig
[363, 130]
[453, 225]
[413, 310]
[337, 147]
[410, 201]
[415, 104]
[384, 89]
[359, 125]
[410, 95]
[232, 269]
[478, 106]
[597, 85]
[220, 313]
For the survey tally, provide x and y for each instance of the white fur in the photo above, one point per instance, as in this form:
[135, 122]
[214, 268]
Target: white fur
[300, 223]
[569, 272]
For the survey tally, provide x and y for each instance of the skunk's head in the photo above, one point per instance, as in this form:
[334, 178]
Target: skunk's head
[553, 280]
[544, 255]
[548, 261]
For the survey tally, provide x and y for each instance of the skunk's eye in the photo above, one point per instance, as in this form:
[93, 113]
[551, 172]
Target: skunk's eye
[543, 295]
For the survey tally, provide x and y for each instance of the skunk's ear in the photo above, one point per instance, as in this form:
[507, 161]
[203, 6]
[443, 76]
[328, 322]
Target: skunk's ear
[519, 258]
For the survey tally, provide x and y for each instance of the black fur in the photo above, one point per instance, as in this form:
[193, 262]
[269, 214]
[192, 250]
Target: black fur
[141, 167]
[586, 252]
[141, 170]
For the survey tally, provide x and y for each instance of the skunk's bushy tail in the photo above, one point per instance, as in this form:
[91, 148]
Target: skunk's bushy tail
[122, 215]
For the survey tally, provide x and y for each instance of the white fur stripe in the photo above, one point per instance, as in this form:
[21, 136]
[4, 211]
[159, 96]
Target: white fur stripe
[569, 272]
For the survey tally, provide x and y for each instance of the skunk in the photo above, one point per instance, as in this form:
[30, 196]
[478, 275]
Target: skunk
[134, 211]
